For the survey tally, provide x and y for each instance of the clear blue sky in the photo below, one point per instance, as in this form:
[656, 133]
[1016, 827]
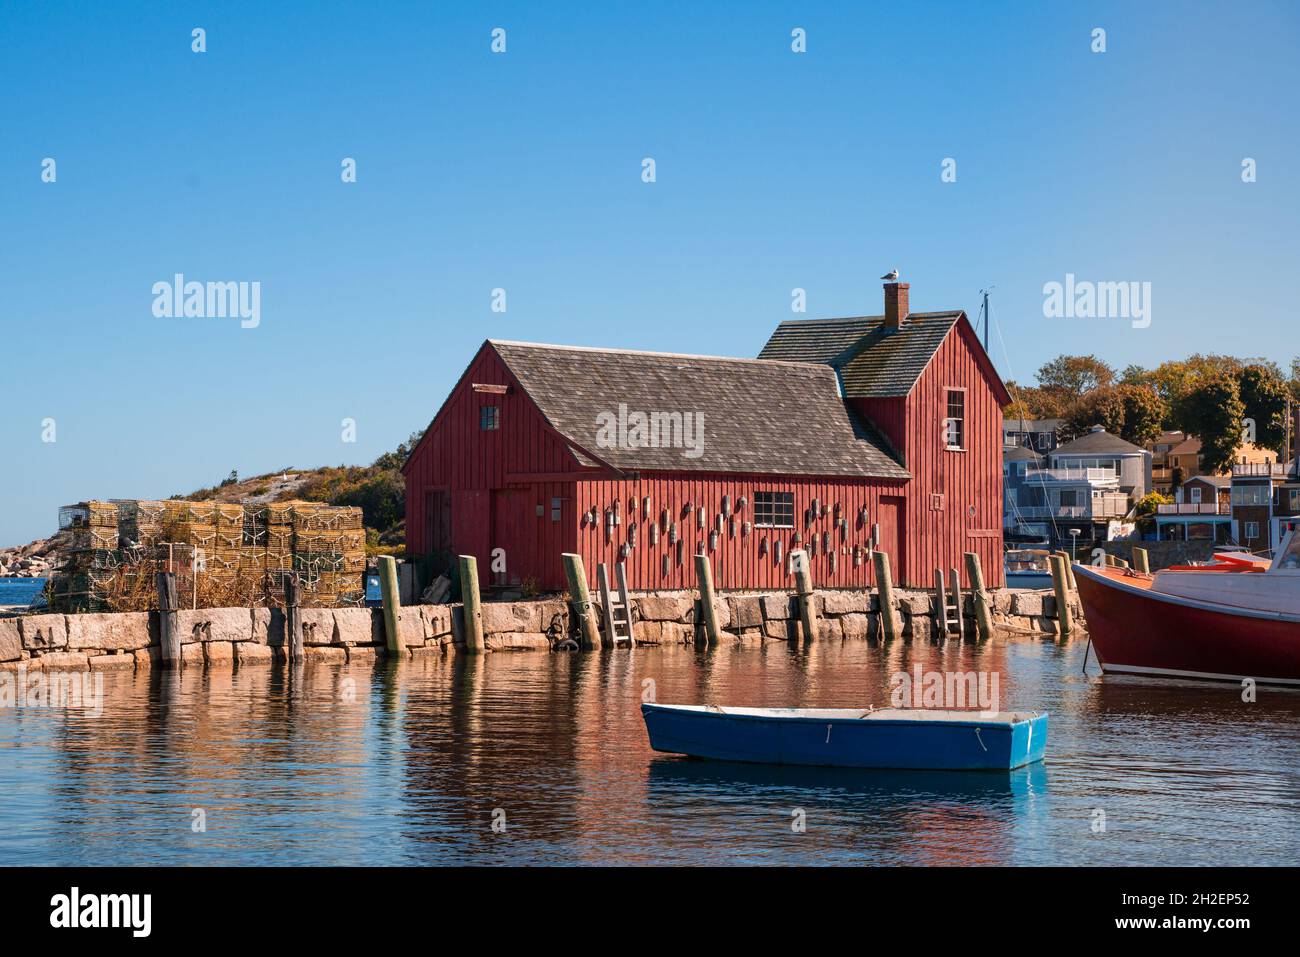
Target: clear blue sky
[523, 171]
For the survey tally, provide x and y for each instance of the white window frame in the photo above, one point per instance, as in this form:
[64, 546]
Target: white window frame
[772, 505]
[952, 422]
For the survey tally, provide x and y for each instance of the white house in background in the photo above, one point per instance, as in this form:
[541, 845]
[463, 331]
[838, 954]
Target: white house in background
[1087, 484]
[1111, 457]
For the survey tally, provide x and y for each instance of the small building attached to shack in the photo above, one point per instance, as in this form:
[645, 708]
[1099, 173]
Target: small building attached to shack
[845, 435]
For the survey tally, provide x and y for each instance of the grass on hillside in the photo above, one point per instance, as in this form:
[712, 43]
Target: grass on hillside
[378, 489]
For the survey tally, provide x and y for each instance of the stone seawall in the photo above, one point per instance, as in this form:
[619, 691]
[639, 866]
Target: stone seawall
[226, 637]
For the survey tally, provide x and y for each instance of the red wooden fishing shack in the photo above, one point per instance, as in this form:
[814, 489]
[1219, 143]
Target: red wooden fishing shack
[844, 435]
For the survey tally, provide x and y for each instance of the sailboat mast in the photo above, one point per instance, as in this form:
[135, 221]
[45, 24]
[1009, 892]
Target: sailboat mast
[985, 309]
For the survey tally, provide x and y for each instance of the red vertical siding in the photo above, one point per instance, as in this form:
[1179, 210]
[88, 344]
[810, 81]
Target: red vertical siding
[969, 516]
[737, 558]
[888, 415]
[493, 502]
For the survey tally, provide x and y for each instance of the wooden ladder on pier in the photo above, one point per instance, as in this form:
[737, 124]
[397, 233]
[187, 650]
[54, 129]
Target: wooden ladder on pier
[618, 609]
[948, 608]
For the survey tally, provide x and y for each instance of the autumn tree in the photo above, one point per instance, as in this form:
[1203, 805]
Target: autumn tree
[1102, 407]
[1145, 413]
[1264, 393]
[1213, 411]
[1031, 402]
[1174, 380]
[1135, 413]
[1136, 375]
[1075, 375]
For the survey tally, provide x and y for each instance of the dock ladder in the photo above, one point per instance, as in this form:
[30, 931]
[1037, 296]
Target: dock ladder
[948, 607]
[618, 609]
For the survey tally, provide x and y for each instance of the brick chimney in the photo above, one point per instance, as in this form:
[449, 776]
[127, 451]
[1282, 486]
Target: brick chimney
[895, 304]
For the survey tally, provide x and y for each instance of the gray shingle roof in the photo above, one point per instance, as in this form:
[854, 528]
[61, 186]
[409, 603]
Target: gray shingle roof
[1019, 453]
[767, 417]
[873, 361]
[1097, 441]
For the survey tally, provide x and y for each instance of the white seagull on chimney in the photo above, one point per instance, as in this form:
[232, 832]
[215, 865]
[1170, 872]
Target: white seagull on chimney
[892, 275]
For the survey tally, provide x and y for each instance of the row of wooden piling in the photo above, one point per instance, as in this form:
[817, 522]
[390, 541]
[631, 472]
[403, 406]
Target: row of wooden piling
[1064, 585]
[589, 631]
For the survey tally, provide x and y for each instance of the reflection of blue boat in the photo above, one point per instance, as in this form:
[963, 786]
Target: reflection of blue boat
[850, 737]
[851, 786]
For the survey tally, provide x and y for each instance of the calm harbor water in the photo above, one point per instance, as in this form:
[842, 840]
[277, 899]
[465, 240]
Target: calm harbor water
[20, 591]
[409, 765]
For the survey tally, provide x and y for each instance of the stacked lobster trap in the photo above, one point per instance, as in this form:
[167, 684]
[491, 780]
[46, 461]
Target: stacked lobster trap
[222, 554]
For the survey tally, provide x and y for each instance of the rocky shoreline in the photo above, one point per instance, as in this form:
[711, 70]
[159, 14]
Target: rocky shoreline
[34, 560]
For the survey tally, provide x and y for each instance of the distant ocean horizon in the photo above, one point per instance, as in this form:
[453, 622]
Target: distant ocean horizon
[20, 591]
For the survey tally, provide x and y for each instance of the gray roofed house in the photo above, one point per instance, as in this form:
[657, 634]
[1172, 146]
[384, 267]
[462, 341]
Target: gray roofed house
[761, 416]
[1041, 434]
[1097, 441]
[1098, 449]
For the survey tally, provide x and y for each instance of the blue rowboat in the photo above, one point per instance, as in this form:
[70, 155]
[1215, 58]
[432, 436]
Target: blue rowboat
[850, 737]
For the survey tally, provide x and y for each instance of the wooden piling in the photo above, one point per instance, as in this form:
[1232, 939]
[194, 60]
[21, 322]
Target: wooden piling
[954, 581]
[580, 600]
[885, 592]
[1141, 560]
[804, 589]
[941, 599]
[473, 605]
[390, 591]
[1061, 581]
[1069, 570]
[293, 647]
[980, 596]
[168, 630]
[704, 574]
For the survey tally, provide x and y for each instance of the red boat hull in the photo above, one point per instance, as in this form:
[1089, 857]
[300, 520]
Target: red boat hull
[1138, 631]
